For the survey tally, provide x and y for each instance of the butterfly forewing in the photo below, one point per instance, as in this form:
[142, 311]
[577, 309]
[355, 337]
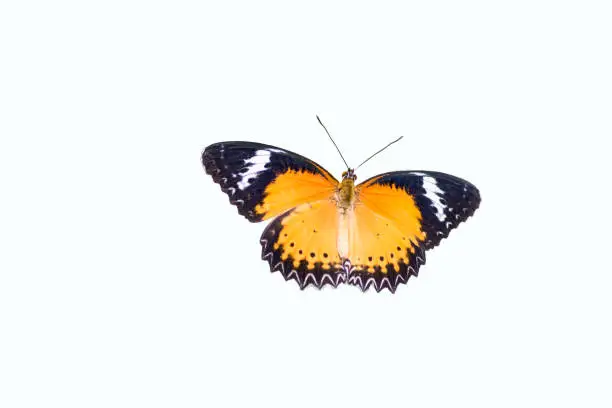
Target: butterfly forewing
[263, 181]
[443, 200]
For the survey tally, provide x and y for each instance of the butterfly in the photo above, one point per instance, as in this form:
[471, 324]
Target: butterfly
[327, 232]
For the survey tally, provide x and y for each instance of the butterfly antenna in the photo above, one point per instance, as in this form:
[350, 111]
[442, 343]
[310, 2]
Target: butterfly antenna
[319, 119]
[396, 140]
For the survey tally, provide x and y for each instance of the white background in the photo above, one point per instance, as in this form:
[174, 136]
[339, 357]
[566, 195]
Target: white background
[127, 280]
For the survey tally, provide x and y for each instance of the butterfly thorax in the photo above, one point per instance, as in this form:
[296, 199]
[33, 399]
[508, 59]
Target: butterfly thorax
[345, 193]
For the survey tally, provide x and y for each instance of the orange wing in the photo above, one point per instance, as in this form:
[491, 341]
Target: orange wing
[302, 244]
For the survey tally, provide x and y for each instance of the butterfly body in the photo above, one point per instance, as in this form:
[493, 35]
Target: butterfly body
[325, 231]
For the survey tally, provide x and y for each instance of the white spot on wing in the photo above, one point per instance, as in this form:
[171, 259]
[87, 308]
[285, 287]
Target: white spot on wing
[434, 193]
[255, 165]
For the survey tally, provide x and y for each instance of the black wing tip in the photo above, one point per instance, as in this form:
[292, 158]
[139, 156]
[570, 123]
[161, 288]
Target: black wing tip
[212, 169]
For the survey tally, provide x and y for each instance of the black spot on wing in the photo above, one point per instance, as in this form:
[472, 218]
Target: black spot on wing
[244, 170]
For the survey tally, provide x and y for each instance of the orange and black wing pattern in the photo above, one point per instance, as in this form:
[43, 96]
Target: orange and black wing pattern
[397, 217]
[302, 245]
[264, 181]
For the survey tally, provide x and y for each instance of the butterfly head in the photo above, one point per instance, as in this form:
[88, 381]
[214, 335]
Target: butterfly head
[349, 175]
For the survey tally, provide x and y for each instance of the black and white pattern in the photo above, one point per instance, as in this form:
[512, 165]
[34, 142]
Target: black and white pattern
[244, 170]
[444, 200]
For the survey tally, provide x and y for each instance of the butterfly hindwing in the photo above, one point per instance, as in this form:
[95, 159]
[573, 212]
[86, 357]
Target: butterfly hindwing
[302, 245]
[386, 238]
[398, 216]
[263, 181]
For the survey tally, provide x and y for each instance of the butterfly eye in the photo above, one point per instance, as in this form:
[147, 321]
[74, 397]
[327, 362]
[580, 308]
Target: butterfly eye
[344, 173]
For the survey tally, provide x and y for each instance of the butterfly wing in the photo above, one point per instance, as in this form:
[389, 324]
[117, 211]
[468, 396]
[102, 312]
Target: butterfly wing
[302, 244]
[397, 217]
[264, 181]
